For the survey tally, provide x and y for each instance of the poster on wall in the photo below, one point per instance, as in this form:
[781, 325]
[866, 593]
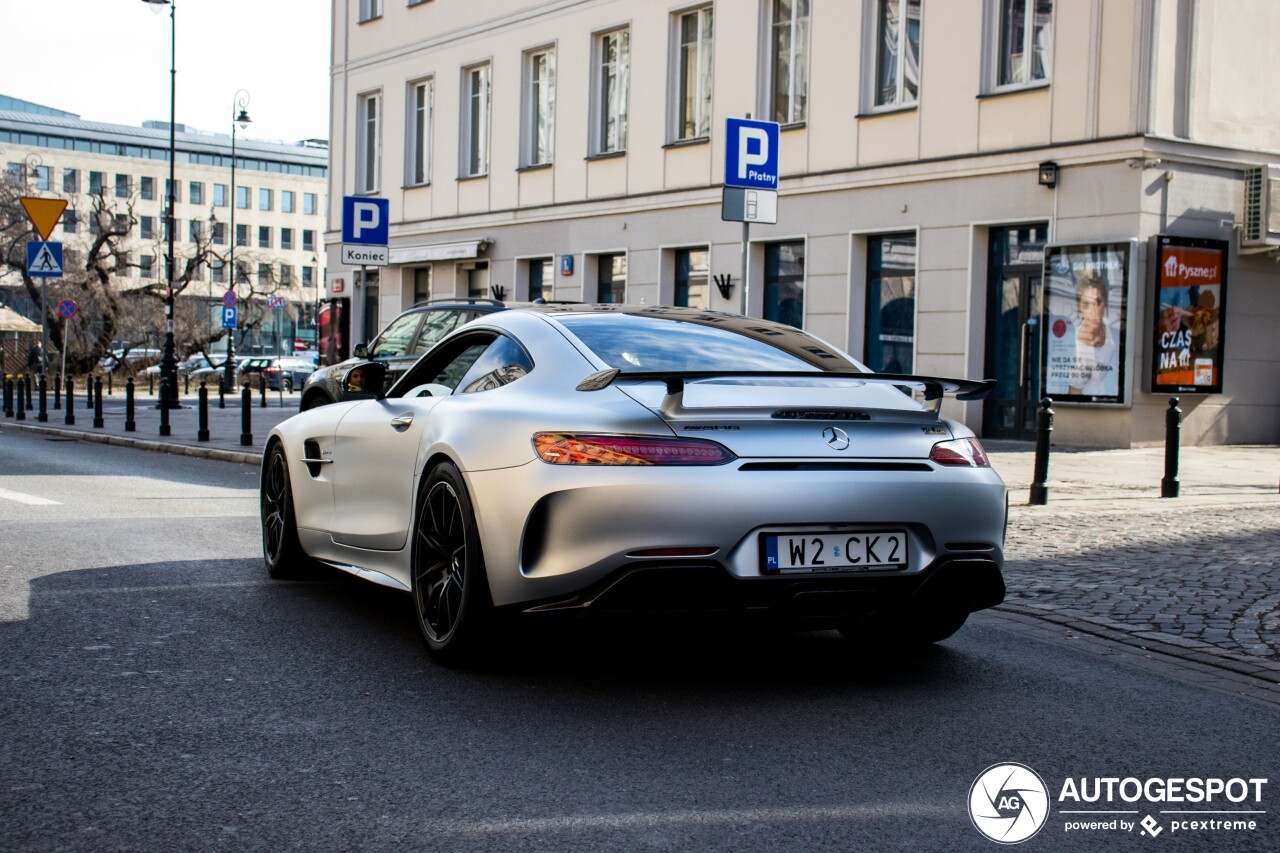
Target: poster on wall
[1190, 304]
[1085, 300]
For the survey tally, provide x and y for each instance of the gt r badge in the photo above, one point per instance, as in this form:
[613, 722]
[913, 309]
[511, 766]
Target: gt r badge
[836, 438]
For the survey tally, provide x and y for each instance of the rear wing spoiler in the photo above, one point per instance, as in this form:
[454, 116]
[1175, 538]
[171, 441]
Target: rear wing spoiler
[933, 388]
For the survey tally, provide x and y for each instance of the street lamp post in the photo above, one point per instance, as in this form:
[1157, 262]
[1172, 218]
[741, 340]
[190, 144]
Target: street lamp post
[169, 361]
[240, 102]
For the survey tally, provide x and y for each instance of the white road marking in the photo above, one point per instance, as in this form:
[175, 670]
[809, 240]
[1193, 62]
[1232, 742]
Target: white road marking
[29, 500]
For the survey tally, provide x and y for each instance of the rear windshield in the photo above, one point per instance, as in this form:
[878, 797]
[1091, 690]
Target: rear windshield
[658, 344]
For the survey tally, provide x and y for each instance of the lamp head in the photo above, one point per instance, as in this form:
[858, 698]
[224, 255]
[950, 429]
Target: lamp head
[1048, 174]
[157, 6]
[243, 119]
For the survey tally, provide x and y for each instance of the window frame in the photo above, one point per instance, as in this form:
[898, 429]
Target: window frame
[874, 273]
[874, 52]
[417, 142]
[993, 44]
[602, 111]
[769, 107]
[473, 124]
[677, 71]
[368, 164]
[368, 10]
[537, 94]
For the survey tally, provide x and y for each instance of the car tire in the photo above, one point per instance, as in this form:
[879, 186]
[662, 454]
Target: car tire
[314, 401]
[450, 588]
[906, 632]
[281, 550]
[287, 384]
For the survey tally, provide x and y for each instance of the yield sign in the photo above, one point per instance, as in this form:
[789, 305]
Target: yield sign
[44, 213]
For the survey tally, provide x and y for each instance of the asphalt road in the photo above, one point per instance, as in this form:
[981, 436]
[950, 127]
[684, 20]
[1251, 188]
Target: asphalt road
[160, 693]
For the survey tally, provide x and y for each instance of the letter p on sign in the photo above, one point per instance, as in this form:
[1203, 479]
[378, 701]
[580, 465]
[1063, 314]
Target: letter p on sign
[365, 220]
[751, 154]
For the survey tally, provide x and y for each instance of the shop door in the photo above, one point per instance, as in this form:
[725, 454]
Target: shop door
[1015, 299]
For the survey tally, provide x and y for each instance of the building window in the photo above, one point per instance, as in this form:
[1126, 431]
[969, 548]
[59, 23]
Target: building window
[286, 201]
[611, 278]
[122, 186]
[541, 279]
[692, 273]
[146, 266]
[146, 227]
[1025, 30]
[96, 182]
[195, 192]
[147, 188]
[784, 283]
[286, 275]
[71, 180]
[421, 284]
[789, 60]
[368, 142]
[308, 276]
[309, 204]
[175, 224]
[219, 195]
[475, 121]
[242, 272]
[218, 270]
[286, 238]
[220, 233]
[897, 53]
[16, 174]
[692, 74]
[264, 198]
[264, 237]
[242, 198]
[370, 9]
[242, 235]
[308, 241]
[539, 107]
[43, 180]
[69, 221]
[264, 273]
[476, 275]
[173, 191]
[195, 230]
[891, 303]
[417, 144]
[610, 80]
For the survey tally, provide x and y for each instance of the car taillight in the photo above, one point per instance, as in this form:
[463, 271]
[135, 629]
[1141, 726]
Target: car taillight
[561, 449]
[965, 452]
[271, 370]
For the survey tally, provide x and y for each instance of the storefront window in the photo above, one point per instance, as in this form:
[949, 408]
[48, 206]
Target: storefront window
[784, 283]
[891, 303]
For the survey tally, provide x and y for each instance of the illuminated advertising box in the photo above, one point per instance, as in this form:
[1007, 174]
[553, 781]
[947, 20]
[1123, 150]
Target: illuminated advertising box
[1190, 306]
[1085, 302]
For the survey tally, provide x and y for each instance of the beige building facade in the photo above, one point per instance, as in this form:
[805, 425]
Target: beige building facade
[951, 174]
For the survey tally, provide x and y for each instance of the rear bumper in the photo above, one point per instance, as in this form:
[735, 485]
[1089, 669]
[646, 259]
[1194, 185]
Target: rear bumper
[948, 585]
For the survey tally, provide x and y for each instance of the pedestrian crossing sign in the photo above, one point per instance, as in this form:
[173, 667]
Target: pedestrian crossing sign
[44, 259]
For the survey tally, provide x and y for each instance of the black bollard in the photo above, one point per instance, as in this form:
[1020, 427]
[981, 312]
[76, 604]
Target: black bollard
[1172, 437]
[151, 383]
[98, 422]
[164, 410]
[186, 383]
[70, 417]
[246, 416]
[8, 397]
[31, 390]
[22, 398]
[43, 415]
[110, 384]
[222, 393]
[130, 425]
[262, 390]
[1044, 429]
[57, 391]
[202, 432]
[88, 391]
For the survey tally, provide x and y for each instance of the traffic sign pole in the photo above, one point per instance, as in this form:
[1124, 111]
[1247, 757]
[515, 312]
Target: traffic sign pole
[746, 246]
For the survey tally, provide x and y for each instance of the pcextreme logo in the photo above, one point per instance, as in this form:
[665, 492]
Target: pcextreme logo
[1009, 803]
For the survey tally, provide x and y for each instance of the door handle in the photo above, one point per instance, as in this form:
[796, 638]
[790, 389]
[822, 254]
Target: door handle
[402, 422]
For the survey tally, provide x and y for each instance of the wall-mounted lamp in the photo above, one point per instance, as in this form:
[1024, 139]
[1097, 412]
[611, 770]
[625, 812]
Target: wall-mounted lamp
[724, 283]
[1048, 174]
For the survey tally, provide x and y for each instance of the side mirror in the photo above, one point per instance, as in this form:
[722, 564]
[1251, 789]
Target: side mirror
[367, 378]
[361, 351]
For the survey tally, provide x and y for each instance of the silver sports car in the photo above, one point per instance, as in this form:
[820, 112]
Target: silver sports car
[646, 460]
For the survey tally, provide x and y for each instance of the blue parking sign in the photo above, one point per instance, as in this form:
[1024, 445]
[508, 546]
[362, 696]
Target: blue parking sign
[365, 220]
[751, 154]
[228, 316]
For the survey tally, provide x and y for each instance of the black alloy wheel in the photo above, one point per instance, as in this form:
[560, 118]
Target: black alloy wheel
[450, 588]
[286, 382]
[281, 550]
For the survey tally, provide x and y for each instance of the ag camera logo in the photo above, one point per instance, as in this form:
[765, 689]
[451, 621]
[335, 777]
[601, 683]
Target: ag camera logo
[1008, 803]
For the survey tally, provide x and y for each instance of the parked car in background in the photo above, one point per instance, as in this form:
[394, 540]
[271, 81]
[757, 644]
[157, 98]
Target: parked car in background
[129, 360]
[398, 346]
[209, 375]
[287, 372]
[185, 367]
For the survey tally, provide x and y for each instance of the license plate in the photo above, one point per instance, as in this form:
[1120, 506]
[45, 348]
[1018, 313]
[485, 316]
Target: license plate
[834, 552]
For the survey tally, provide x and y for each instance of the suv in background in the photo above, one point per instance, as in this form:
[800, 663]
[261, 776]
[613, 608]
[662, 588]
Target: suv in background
[398, 345]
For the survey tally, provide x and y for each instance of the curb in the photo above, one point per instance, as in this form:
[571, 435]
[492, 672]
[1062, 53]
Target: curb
[246, 457]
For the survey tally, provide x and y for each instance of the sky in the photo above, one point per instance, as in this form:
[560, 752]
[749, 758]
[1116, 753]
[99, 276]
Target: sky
[108, 60]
